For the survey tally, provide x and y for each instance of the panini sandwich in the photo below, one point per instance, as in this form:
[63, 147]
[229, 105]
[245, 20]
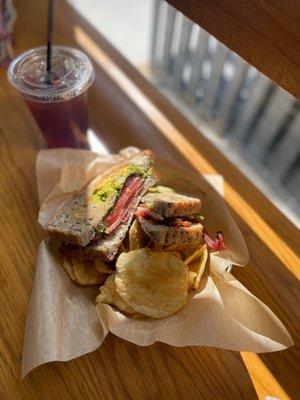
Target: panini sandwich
[95, 222]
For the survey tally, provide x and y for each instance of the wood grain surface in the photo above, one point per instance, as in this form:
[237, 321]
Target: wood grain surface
[126, 110]
[266, 33]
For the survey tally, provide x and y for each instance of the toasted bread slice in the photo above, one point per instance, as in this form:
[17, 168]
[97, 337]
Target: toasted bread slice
[77, 221]
[172, 204]
[165, 235]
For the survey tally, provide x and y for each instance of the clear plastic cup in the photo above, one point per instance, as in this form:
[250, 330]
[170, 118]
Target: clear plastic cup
[58, 101]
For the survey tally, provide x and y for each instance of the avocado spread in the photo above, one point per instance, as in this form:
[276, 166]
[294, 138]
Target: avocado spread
[198, 217]
[113, 185]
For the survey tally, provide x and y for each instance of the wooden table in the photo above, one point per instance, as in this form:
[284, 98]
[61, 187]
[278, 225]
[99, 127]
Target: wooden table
[126, 110]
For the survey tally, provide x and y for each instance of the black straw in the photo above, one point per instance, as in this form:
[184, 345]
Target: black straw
[49, 40]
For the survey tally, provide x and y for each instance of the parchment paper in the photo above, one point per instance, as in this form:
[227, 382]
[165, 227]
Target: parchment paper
[63, 322]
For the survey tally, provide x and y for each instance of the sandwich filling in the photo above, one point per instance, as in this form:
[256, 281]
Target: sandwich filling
[168, 230]
[112, 186]
[120, 210]
[175, 229]
[144, 211]
[119, 190]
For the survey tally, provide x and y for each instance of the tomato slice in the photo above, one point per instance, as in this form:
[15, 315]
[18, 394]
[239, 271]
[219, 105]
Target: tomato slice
[122, 205]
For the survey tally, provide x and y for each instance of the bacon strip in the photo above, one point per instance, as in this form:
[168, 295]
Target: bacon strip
[145, 212]
[180, 222]
[215, 244]
[122, 205]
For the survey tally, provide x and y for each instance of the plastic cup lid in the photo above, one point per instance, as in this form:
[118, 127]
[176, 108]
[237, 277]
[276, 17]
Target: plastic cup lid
[71, 74]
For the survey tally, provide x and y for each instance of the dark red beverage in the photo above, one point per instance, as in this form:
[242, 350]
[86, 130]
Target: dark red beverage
[63, 123]
[58, 102]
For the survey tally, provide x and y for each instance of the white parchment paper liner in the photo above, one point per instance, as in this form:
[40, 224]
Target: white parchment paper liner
[63, 322]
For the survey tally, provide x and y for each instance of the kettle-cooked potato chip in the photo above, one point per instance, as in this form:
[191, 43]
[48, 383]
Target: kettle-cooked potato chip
[109, 295]
[82, 271]
[152, 283]
[198, 266]
[137, 237]
[181, 247]
[176, 254]
[195, 255]
[192, 279]
[185, 249]
[103, 267]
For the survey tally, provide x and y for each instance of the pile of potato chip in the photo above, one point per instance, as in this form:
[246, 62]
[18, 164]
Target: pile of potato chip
[86, 272]
[146, 280]
[151, 281]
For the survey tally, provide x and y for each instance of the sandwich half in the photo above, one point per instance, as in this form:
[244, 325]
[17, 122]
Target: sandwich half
[170, 218]
[95, 222]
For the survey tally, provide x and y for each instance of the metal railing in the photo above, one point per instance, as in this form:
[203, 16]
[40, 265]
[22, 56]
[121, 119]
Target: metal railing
[258, 119]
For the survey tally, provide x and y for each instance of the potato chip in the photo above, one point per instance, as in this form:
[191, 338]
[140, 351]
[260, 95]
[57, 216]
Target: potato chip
[82, 271]
[103, 267]
[109, 295]
[182, 247]
[137, 237]
[192, 292]
[191, 279]
[186, 254]
[176, 254]
[152, 283]
[195, 255]
[198, 267]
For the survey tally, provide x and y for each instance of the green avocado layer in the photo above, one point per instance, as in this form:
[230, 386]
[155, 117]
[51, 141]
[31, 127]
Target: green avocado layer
[113, 185]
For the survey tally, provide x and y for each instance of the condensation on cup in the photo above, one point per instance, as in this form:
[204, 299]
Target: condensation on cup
[59, 107]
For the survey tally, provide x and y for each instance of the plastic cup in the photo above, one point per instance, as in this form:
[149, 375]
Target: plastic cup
[57, 101]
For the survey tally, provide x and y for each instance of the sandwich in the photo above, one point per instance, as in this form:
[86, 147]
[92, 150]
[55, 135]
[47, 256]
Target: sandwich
[170, 218]
[95, 222]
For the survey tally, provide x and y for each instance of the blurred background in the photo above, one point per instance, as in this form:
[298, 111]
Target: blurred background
[255, 123]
